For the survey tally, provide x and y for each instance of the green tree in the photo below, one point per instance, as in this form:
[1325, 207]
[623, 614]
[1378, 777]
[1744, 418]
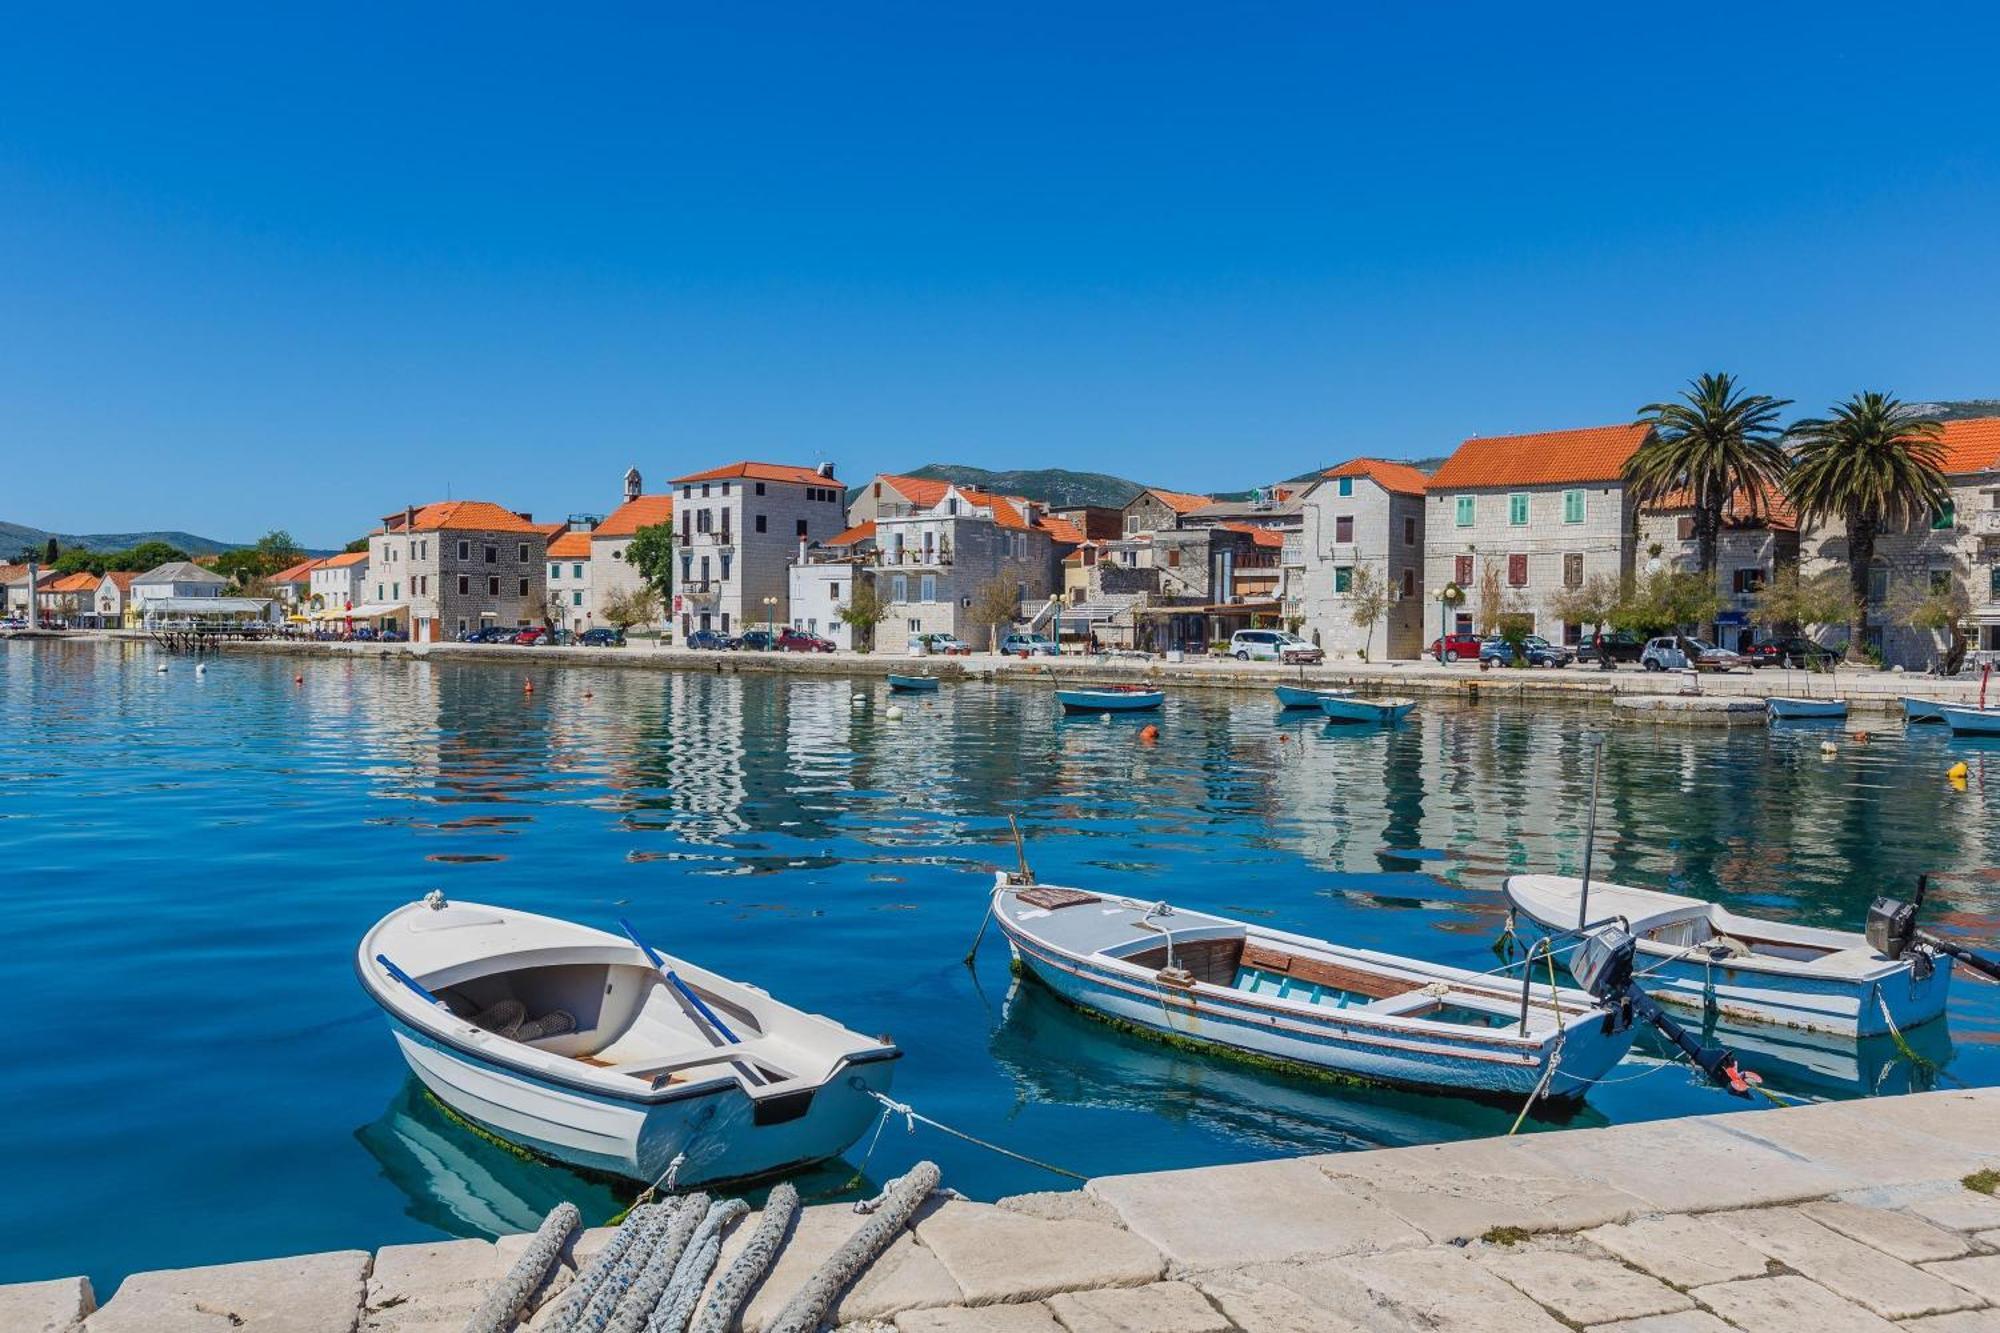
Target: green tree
[80, 560]
[1493, 600]
[997, 602]
[242, 566]
[1368, 601]
[863, 610]
[1795, 603]
[359, 546]
[633, 606]
[1715, 443]
[1945, 608]
[651, 552]
[1877, 466]
[1591, 604]
[149, 555]
[278, 550]
[1667, 600]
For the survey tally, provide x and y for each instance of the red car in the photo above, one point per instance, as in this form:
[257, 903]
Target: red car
[531, 636]
[792, 640]
[1452, 647]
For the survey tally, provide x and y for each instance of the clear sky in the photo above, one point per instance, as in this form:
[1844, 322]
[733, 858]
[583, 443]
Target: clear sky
[263, 266]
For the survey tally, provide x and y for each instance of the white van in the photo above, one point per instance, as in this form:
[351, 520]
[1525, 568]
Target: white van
[1272, 645]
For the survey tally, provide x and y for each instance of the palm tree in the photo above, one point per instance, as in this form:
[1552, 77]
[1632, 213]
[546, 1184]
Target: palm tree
[1877, 466]
[1714, 443]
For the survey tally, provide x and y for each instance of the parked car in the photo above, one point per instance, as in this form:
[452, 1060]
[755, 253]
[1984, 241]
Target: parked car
[945, 645]
[792, 639]
[1456, 647]
[1796, 650]
[755, 640]
[1535, 650]
[531, 636]
[1619, 646]
[1032, 644]
[707, 638]
[1674, 652]
[1272, 645]
[602, 636]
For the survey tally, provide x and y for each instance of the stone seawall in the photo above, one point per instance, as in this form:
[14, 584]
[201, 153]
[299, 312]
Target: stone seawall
[1864, 1215]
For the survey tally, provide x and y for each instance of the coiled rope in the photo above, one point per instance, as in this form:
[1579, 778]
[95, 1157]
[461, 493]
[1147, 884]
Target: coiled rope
[503, 1304]
[807, 1309]
[732, 1289]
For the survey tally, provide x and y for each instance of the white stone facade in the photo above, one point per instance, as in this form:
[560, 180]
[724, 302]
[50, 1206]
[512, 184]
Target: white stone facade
[738, 530]
[818, 592]
[338, 586]
[1352, 523]
[1541, 539]
[933, 562]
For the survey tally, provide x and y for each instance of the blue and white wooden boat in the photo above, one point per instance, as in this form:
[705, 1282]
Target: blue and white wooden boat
[1297, 696]
[1381, 711]
[912, 683]
[1111, 699]
[1921, 710]
[1781, 709]
[596, 1051]
[1970, 721]
[1244, 988]
[1699, 955]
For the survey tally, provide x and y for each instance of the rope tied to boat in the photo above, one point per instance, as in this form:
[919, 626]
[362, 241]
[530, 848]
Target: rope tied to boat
[912, 1116]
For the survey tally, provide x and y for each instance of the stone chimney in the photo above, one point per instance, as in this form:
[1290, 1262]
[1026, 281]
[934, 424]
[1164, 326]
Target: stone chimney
[409, 517]
[632, 483]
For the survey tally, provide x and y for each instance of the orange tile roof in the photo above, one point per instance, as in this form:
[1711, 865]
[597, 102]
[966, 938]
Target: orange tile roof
[860, 532]
[805, 476]
[1971, 445]
[121, 579]
[644, 512]
[1179, 501]
[571, 546]
[296, 573]
[8, 573]
[1262, 536]
[1400, 478]
[344, 559]
[1547, 458]
[465, 515]
[81, 581]
[1774, 509]
[1061, 529]
[920, 491]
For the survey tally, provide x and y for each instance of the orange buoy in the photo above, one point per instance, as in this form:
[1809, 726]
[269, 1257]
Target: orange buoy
[298, 680]
[1863, 737]
[528, 686]
[1149, 734]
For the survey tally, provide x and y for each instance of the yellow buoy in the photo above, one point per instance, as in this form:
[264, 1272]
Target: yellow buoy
[1957, 771]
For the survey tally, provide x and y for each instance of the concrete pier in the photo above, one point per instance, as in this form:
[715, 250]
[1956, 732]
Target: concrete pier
[1817, 1219]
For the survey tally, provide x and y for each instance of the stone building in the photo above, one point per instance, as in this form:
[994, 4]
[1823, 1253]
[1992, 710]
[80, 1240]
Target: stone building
[339, 582]
[1758, 537]
[1367, 514]
[571, 604]
[611, 573]
[935, 559]
[439, 570]
[1153, 510]
[824, 583]
[1542, 513]
[739, 529]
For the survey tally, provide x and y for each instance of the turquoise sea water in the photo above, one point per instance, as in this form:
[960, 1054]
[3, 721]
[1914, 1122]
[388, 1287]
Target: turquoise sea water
[187, 862]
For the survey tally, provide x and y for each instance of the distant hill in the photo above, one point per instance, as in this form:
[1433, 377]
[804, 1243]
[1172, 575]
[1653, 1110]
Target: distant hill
[1958, 409]
[1425, 465]
[1051, 486]
[15, 537]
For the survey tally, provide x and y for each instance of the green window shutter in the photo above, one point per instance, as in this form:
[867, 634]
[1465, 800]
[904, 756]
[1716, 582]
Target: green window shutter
[1343, 578]
[1517, 510]
[1346, 486]
[1572, 506]
[1944, 517]
[1464, 511]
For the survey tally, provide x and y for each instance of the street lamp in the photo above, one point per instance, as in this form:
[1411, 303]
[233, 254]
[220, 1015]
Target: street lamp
[770, 614]
[1448, 596]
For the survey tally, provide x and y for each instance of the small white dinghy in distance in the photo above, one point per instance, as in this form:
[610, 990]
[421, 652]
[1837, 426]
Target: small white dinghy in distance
[1695, 954]
[592, 1050]
[1781, 709]
[1208, 980]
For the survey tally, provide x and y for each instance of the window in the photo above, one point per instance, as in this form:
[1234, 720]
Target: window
[1878, 582]
[1409, 582]
[576, 598]
[492, 555]
[1940, 580]
[1461, 571]
[1409, 532]
[725, 622]
[760, 491]
[1746, 580]
[726, 559]
[524, 589]
[1343, 578]
[1573, 569]
[916, 626]
[1517, 511]
[395, 592]
[1343, 527]
[555, 572]
[1573, 506]
[464, 585]
[1131, 522]
[687, 567]
[704, 569]
[760, 522]
[725, 488]
[899, 588]
[951, 506]
[833, 592]
[1517, 571]
[802, 527]
[576, 570]
[1993, 584]
[704, 490]
[1173, 557]
[465, 550]
[461, 627]
[928, 588]
[1944, 517]
[1684, 529]
[521, 553]
[492, 585]
[1346, 487]
[1464, 515]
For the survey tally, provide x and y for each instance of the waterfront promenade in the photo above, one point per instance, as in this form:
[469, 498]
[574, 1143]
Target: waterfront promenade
[1850, 1217]
[1864, 689]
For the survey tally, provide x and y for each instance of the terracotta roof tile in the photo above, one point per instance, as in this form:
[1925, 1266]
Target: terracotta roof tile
[805, 476]
[1971, 446]
[860, 532]
[344, 559]
[571, 546]
[644, 512]
[1547, 458]
[121, 579]
[1061, 529]
[465, 515]
[1179, 501]
[296, 573]
[1773, 510]
[81, 581]
[920, 491]
[1262, 536]
[1400, 478]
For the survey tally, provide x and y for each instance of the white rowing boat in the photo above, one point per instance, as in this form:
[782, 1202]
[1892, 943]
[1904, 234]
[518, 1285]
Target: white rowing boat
[1215, 982]
[1781, 709]
[1699, 955]
[594, 1050]
[1386, 712]
[1299, 696]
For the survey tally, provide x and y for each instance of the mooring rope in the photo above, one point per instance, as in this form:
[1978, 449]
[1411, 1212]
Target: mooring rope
[498, 1312]
[808, 1308]
[581, 1292]
[732, 1289]
[634, 1312]
[912, 1116]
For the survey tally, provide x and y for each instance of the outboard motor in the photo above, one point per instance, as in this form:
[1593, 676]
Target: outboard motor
[1603, 964]
[1892, 932]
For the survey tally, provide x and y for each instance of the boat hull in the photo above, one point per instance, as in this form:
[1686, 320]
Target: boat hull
[1921, 710]
[714, 1126]
[1110, 701]
[1970, 721]
[1378, 712]
[1295, 696]
[1329, 1047]
[1783, 710]
[913, 684]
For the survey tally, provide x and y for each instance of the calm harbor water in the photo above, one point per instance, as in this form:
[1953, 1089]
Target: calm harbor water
[188, 862]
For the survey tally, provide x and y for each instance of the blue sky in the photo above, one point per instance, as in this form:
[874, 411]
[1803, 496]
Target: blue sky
[265, 266]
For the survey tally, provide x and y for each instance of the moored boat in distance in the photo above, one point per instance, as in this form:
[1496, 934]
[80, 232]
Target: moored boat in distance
[598, 1052]
[912, 683]
[1782, 709]
[1921, 710]
[1298, 696]
[1700, 955]
[1354, 709]
[1970, 721]
[1210, 981]
[1111, 699]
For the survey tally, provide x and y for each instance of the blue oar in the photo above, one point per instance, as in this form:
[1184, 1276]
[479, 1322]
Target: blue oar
[400, 975]
[673, 979]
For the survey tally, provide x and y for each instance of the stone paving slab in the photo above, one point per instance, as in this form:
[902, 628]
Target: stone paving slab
[995, 1255]
[1866, 1276]
[1679, 1166]
[314, 1293]
[1461, 1191]
[1961, 1321]
[1685, 1250]
[1215, 1217]
[1870, 1150]
[1580, 1288]
[431, 1288]
[1295, 1298]
[1902, 1235]
[1062, 1206]
[1444, 1290]
[56, 1306]
[1788, 1304]
[985, 1319]
[1686, 1321]
[1980, 1275]
[1162, 1307]
[906, 1276]
[1945, 1202]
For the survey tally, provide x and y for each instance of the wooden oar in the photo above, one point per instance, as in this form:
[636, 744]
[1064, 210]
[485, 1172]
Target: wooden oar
[400, 975]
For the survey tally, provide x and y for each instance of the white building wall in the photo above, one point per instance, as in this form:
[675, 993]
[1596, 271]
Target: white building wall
[738, 538]
[1602, 539]
[1385, 533]
[816, 595]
